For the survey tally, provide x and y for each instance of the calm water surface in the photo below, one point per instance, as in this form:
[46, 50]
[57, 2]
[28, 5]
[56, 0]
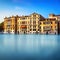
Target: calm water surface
[29, 47]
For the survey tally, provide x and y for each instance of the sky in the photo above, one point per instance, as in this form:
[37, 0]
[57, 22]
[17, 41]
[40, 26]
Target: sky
[27, 7]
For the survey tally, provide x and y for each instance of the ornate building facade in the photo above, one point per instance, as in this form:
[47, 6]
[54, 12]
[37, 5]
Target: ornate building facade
[31, 24]
[48, 26]
[57, 17]
[10, 24]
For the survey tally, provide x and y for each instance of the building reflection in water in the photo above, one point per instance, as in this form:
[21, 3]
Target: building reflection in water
[30, 44]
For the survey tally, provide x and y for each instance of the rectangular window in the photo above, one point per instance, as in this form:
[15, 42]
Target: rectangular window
[46, 22]
[30, 29]
[40, 23]
[34, 29]
[34, 26]
[51, 22]
[30, 21]
[34, 22]
[23, 22]
[46, 27]
[55, 22]
[38, 29]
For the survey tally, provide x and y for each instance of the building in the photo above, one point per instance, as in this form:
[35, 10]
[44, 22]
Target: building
[57, 17]
[48, 26]
[32, 24]
[58, 27]
[10, 24]
[29, 24]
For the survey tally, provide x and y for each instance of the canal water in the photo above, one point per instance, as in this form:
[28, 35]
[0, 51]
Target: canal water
[29, 47]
